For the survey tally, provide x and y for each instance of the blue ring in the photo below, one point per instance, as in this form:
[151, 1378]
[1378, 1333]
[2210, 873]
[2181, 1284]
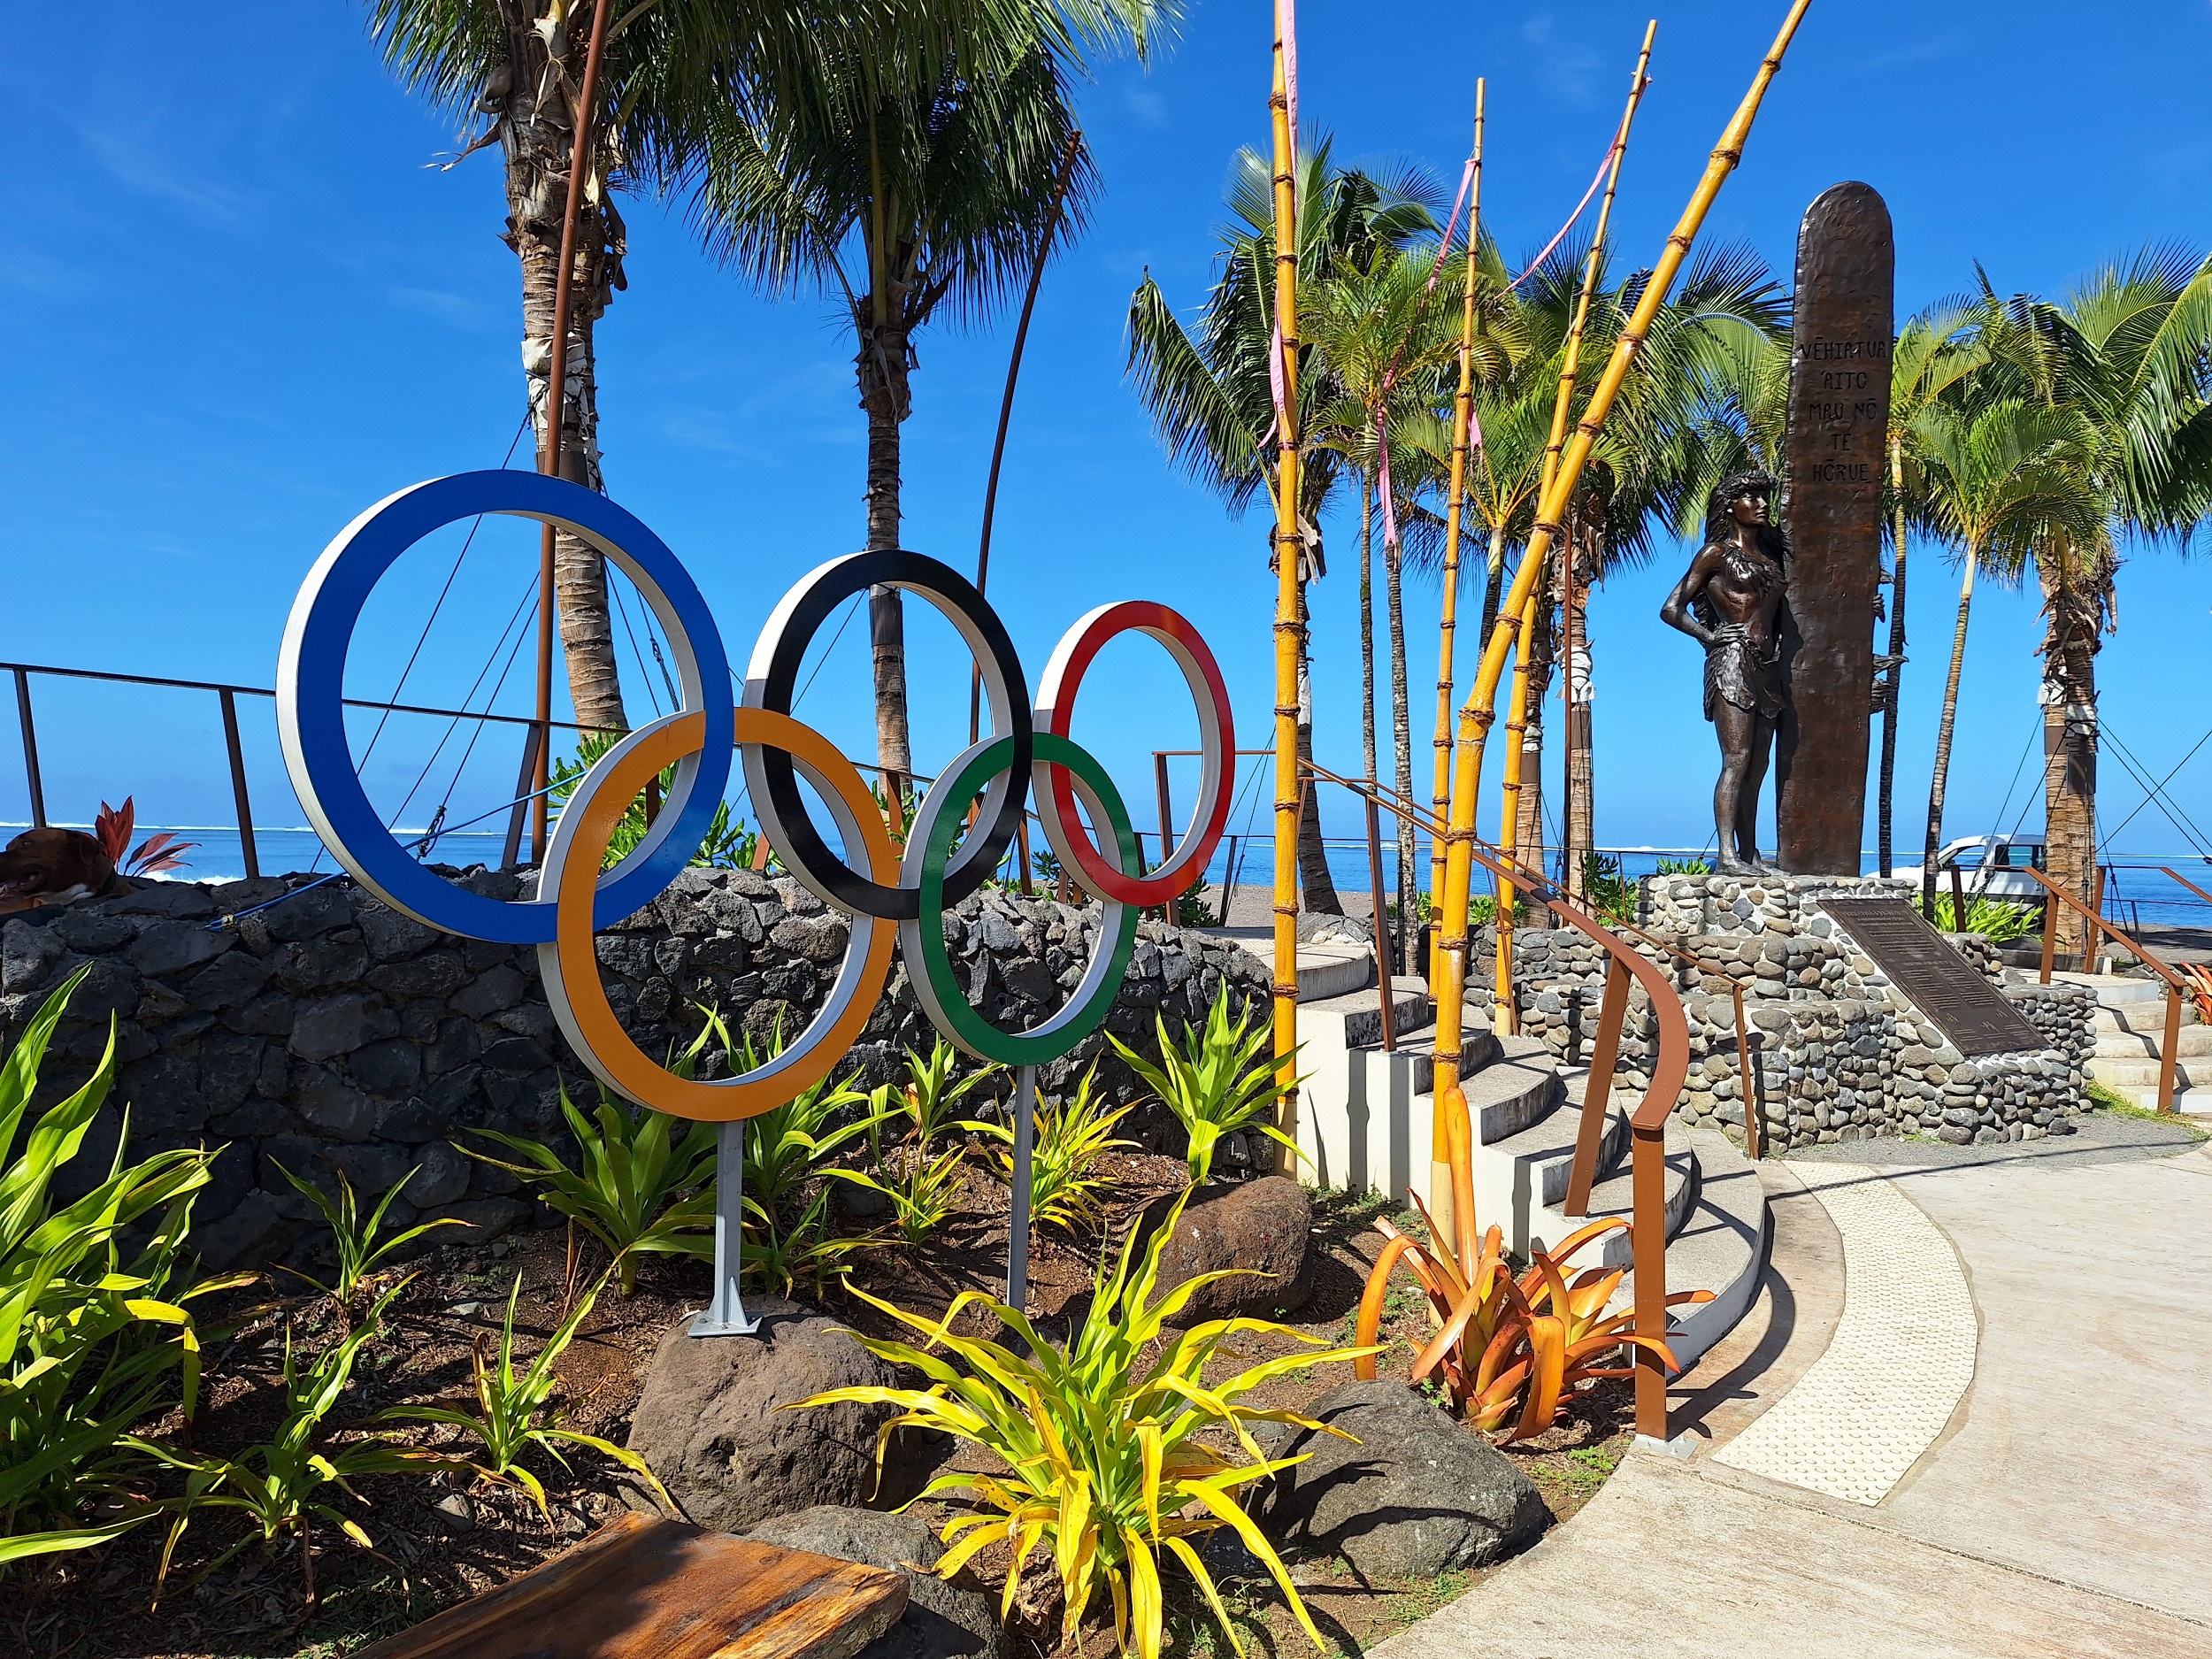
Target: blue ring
[310, 712]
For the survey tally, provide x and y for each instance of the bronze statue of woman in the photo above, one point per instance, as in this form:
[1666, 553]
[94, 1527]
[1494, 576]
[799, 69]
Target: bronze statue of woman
[1729, 602]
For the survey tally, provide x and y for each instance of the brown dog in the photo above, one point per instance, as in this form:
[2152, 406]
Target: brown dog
[56, 866]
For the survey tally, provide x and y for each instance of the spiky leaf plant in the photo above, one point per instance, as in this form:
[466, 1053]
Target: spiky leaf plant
[1104, 1466]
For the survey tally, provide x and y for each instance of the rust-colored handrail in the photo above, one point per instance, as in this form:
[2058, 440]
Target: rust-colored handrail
[1648, 1124]
[2177, 987]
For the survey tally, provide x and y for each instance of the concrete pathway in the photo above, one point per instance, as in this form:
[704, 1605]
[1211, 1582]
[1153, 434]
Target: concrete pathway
[2053, 1293]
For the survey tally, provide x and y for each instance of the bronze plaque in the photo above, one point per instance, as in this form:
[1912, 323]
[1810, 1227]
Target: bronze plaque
[1935, 979]
[1838, 430]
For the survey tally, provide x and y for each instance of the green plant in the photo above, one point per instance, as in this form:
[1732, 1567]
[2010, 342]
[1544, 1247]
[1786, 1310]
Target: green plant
[511, 1416]
[358, 1252]
[1611, 894]
[728, 844]
[638, 1190]
[1995, 920]
[277, 1485]
[804, 1251]
[1685, 867]
[1191, 909]
[924, 1191]
[1482, 911]
[789, 1146]
[1221, 1079]
[94, 1336]
[1046, 862]
[932, 1093]
[1072, 1137]
[1104, 1468]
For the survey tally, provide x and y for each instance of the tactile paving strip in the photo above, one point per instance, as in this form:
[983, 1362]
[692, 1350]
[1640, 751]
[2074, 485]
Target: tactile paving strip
[1900, 1361]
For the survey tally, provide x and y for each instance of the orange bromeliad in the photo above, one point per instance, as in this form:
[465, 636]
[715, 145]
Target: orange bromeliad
[1503, 1342]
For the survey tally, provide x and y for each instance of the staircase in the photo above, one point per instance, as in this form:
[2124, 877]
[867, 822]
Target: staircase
[1364, 1122]
[2131, 1036]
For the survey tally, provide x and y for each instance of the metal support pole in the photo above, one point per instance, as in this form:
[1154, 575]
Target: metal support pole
[1647, 1233]
[1958, 901]
[724, 1315]
[1021, 841]
[238, 785]
[1598, 1095]
[30, 749]
[2050, 935]
[2169, 1050]
[1017, 1222]
[1755, 1133]
[1385, 966]
[526, 781]
[1167, 817]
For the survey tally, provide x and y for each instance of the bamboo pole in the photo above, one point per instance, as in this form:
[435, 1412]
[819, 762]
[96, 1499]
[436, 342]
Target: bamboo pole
[1505, 1016]
[1570, 370]
[1479, 712]
[1463, 426]
[1289, 549]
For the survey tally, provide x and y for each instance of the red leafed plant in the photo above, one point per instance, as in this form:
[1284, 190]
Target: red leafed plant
[1507, 1351]
[158, 852]
[2198, 977]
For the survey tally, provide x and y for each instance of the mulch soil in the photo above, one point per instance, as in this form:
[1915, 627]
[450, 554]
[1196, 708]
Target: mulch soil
[95, 1604]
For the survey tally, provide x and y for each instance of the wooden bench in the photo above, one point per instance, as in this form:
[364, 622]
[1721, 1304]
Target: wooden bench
[644, 1588]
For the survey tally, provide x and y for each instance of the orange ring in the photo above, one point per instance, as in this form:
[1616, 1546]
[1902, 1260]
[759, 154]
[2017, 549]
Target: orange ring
[570, 963]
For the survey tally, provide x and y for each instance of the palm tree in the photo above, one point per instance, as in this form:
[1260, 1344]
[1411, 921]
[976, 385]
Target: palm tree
[1211, 397]
[1389, 337]
[2132, 358]
[1935, 353]
[2001, 477]
[910, 177]
[519, 63]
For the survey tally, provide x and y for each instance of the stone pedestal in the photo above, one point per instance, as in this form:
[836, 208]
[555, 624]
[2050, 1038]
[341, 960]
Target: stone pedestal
[1754, 904]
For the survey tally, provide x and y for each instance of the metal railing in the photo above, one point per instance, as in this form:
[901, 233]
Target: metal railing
[227, 696]
[2177, 987]
[1648, 1124]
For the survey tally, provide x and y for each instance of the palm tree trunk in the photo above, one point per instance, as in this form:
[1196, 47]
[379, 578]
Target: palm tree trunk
[1367, 622]
[538, 158]
[1940, 777]
[882, 363]
[1402, 739]
[2070, 740]
[1493, 589]
[1885, 814]
[1582, 826]
[1529, 828]
[1313, 858]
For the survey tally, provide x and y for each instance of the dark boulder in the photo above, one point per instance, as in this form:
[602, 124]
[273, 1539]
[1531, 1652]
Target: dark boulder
[941, 1621]
[1420, 1494]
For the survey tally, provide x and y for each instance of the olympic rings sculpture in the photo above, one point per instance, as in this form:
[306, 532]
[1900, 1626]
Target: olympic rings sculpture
[896, 900]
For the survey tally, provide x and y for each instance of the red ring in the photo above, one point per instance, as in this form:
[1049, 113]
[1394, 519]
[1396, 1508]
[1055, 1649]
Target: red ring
[1056, 712]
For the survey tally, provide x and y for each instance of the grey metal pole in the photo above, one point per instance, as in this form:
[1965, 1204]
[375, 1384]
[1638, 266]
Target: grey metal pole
[517, 818]
[1017, 1223]
[238, 784]
[30, 749]
[724, 1315]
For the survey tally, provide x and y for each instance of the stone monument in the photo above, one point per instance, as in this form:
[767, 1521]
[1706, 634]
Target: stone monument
[1839, 428]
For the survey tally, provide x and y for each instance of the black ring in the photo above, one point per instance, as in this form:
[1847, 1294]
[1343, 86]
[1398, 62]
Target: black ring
[770, 687]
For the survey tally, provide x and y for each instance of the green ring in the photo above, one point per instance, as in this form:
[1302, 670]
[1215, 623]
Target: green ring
[926, 937]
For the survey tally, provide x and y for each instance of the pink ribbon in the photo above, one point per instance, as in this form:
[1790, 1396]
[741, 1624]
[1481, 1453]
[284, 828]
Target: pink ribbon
[1571, 217]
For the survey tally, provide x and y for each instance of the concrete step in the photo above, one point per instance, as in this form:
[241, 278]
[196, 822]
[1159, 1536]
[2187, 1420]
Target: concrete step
[1520, 1179]
[2146, 1018]
[1518, 1088]
[2116, 991]
[1361, 1011]
[2193, 1102]
[2143, 1074]
[1326, 968]
[2195, 1042]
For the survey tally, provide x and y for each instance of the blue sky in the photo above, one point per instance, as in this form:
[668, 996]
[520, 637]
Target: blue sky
[239, 307]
